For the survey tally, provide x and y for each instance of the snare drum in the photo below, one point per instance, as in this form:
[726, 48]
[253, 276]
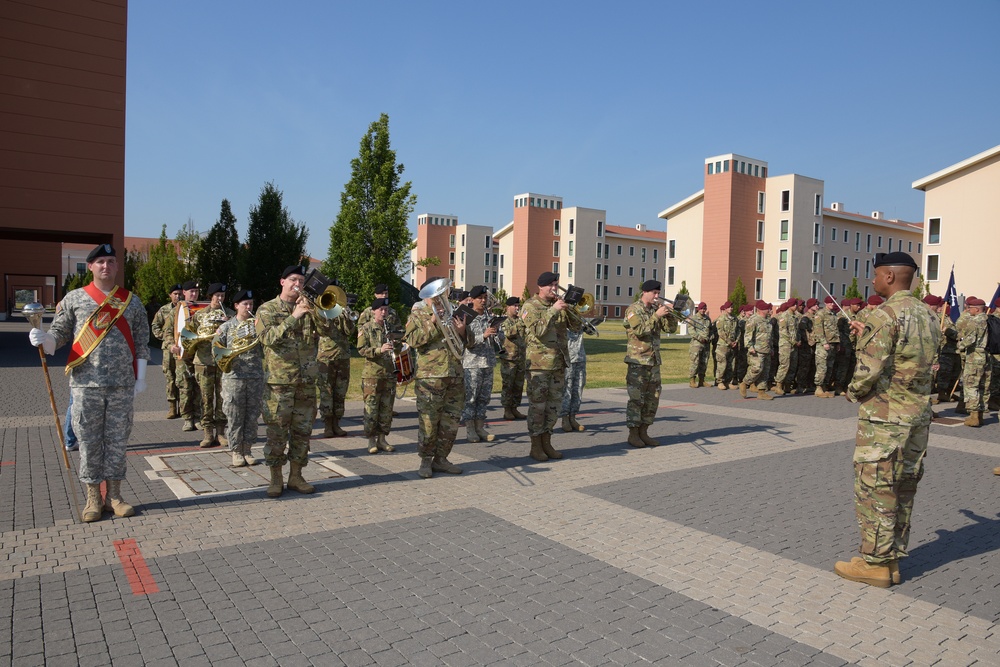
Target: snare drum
[406, 364]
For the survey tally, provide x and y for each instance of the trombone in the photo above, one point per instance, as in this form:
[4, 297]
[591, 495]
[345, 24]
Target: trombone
[680, 307]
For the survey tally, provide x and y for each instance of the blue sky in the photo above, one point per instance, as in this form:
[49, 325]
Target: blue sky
[609, 105]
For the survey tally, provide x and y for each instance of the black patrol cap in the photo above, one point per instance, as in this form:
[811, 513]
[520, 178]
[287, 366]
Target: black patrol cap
[103, 250]
[243, 295]
[513, 301]
[461, 295]
[295, 269]
[894, 259]
[176, 288]
[477, 291]
[215, 288]
[381, 288]
[547, 278]
[189, 284]
[651, 285]
[378, 303]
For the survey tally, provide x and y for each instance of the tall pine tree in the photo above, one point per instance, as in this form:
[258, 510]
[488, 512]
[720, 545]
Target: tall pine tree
[220, 259]
[370, 240]
[274, 241]
[738, 297]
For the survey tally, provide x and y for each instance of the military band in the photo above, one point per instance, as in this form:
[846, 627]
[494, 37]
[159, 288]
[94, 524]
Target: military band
[162, 327]
[202, 325]
[378, 378]
[478, 363]
[241, 365]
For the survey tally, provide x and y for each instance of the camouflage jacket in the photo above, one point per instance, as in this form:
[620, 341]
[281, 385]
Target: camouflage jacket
[757, 337]
[434, 358]
[577, 353]
[545, 333]
[972, 334]
[788, 333]
[206, 322]
[513, 339]
[643, 328]
[725, 327]
[395, 324]
[110, 363]
[892, 379]
[337, 345]
[481, 354]
[162, 326]
[825, 327]
[248, 364]
[290, 343]
[701, 329]
[378, 364]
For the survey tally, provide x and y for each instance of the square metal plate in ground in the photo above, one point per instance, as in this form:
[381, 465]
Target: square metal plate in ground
[200, 474]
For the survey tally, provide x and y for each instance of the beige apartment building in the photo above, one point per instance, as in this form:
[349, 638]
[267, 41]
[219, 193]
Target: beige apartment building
[962, 226]
[466, 254]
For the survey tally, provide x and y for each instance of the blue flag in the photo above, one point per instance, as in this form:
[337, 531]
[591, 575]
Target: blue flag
[996, 295]
[951, 296]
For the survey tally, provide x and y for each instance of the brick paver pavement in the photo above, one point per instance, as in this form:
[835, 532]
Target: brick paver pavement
[714, 549]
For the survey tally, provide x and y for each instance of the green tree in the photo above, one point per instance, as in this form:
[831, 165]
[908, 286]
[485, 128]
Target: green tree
[134, 259]
[274, 241]
[76, 280]
[526, 294]
[370, 239]
[501, 295]
[684, 288]
[853, 291]
[161, 270]
[188, 249]
[220, 258]
[738, 297]
[920, 290]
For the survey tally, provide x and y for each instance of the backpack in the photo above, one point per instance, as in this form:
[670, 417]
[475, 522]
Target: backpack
[993, 335]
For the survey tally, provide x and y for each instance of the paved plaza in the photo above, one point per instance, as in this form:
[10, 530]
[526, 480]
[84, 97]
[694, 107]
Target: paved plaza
[716, 548]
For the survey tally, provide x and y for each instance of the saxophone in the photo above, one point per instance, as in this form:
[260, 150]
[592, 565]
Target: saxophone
[244, 338]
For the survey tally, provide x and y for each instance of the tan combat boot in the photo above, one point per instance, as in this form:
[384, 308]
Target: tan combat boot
[248, 457]
[537, 452]
[113, 500]
[866, 573]
[480, 425]
[974, 419]
[566, 426]
[442, 464]
[722, 386]
[779, 390]
[373, 444]
[297, 481]
[894, 574]
[743, 389]
[470, 430]
[762, 395]
[189, 424]
[960, 409]
[277, 482]
[577, 426]
[508, 414]
[701, 381]
[426, 467]
[644, 436]
[823, 394]
[996, 471]
[517, 414]
[209, 439]
[634, 438]
[383, 445]
[172, 412]
[220, 436]
[238, 461]
[95, 504]
[547, 447]
[693, 382]
[328, 427]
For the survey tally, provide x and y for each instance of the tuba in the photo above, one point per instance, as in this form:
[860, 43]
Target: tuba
[245, 338]
[437, 292]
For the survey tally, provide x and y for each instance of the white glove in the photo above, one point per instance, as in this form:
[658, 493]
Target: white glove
[140, 377]
[43, 339]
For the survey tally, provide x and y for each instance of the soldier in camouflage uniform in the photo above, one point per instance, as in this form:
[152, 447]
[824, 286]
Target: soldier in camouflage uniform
[827, 341]
[546, 324]
[163, 328]
[993, 403]
[846, 360]
[334, 359]
[757, 340]
[439, 385]
[807, 349]
[378, 377]
[204, 324]
[788, 346]
[104, 378]
[478, 364]
[243, 382]
[289, 329]
[725, 348]
[942, 362]
[576, 380]
[896, 346]
[644, 322]
[512, 361]
[740, 362]
[977, 374]
[187, 384]
[700, 328]
[382, 292]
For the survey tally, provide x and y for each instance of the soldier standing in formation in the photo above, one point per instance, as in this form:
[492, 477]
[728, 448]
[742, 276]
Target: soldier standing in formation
[289, 329]
[334, 359]
[512, 361]
[187, 383]
[757, 340]
[740, 361]
[576, 380]
[644, 322]
[896, 346]
[701, 326]
[109, 330]
[163, 328]
[204, 324]
[477, 365]
[827, 340]
[725, 347]
[378, 378]
[243, 381]
[545, 324]
[977, 374]
[807, 351]
[788, 347]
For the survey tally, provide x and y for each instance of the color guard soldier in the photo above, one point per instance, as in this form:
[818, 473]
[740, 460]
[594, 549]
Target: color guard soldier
[977, 374]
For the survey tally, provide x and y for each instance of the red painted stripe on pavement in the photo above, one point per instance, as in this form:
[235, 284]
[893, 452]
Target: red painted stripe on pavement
[6, 463]
[136, 571]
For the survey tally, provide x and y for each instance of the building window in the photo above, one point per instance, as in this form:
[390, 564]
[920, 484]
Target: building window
[451, 275]
[760, 260]
[785, 199]
[555, 267]
[833, 261]
[569, 248]
[815, 265]
[818, 207]
[670, 276]
[486, 276]
[451, 240]
[815, 289]
[932, 267]
[934, 231]
[857, 241]
[618, 270]
[857, 265]
[486, 259]
[619, 250]
[868, 243]
[757, 288]
[600, 228]
[495, 259]
[671, 249]
[784, 230]
[643, 254]
[909, 246]
[461, 275]
[569, 270]
[878, 241]
[833, 233]
[760, 202]
[656, 275]
[817, 233]
[846, 235]
[725, 165]
[631, 251]
[782, 288]
[501, 281]
[844, 268]
[656, 255]
[618, 290]
[900, 246]
[606, 268]
[489, 242]
[631, 271]
[451, 257]
[463, 240]
[463, 257]
[571, 226]
[605, 293]
[919, 246]
[618, 309]
[631, 291]
[843, 289]
[599, 246]
[598, 276]
[760, 231]
[494, 277]
[555, 248]
[555, 228]
[501, 261]
[831, 288]
[642, 274]
[710, 168]
[868, 269]
[783, 260]
[607, 251]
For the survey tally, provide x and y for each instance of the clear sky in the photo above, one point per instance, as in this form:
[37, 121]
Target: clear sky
[609, 105]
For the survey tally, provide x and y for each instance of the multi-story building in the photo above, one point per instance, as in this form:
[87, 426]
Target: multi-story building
[775, 235]
[466, 254]
[960, 225]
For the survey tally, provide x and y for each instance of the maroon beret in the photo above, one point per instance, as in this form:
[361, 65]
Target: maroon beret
[974, 301]
[746, 308]
[702, 306]
[811, 302]
[762, 305]
[875, 300]
[933, 301]
[829, 299]
[727, 304]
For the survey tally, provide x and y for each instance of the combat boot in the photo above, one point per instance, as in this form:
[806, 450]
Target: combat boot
[328, 427]
[247, 456]
[442, 464]
[644, 436]
[220, 436]
[172, 412]
[994, 403]
[426, 467]
[547, 447]
[508, 414]
[383, 445]
[238, 461]
[209, 439]
[996, 471]
[537, 452]
[866, 573]
[822, 394]
[722, 386]
[693, 382]
[743, 389]
[634, 438]
[943, 397]
[470, 431]
[894, 574]
[960, 409]
[337, 431]
[277, 484]
[480, 426]
[974, 419]
[373, 444]
[113, 499]
[95, 505]
[577, 426]
[297, 481]
[701, 381]
[762, 395]
[189, 424]
[566, 426]
[779, 390]
[517, 414]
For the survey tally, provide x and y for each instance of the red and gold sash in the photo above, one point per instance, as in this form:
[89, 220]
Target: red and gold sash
[109, 313]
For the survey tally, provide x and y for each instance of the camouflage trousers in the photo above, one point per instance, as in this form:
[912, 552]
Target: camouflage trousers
[759, 366]
[725, 358]
[888, 465]
[644, 386]
[334, 381]
[512, 387]
[825, 360]
[845, 365]
[210, 386]
[806, 371]
[545, 394]
[576, 380]
[788, 358]
[169, 367]
[379, 395]
[241, 401]
[772, 365]
[976, 379]
[289, 412]
[439, 404]
[698, 358]
[188, 390]
[102, 422]
[478, 391]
